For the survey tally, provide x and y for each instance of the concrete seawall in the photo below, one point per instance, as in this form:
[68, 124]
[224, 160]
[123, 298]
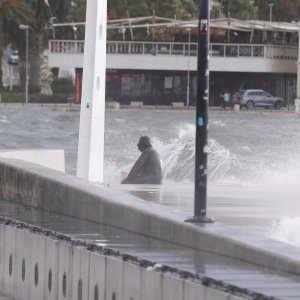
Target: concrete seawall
[34, 265]
[55, 191]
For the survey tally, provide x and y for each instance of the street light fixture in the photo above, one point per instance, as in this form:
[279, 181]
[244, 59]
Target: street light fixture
[271, 6]
[26, 28]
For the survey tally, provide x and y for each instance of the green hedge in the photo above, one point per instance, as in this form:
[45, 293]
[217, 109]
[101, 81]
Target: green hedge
[62, 86]
[19, 97]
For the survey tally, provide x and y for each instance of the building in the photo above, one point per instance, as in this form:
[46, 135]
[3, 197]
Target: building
[152, 59]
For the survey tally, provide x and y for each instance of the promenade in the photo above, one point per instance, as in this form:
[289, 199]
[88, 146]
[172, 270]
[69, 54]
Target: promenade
[220, 273]
[75, 213]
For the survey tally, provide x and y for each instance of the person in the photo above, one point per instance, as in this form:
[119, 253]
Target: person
[147, 169]
[226, 102]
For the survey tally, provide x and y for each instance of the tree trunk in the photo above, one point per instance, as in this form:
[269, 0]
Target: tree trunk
[36, 50]
[22, 72]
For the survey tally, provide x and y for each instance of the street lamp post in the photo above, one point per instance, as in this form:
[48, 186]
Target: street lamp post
[298, 64]
[270, 6]
[188, 72]
[26, 28]
[297, 100]
[202, 117]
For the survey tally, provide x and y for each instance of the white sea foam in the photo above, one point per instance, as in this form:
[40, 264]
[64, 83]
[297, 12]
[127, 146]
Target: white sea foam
[286, 230]
[4, 119]
[219, 123]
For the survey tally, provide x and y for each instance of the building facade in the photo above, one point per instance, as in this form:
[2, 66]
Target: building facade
[260, 55]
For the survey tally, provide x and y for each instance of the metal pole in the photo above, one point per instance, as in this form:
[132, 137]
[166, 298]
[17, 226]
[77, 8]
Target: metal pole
[26, 28]
[270, 6]
[298, 64]
[11, 78]
[27, 79]
[188, 73]
[202, 117]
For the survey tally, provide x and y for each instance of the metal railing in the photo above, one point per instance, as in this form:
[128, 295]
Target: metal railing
[182, 49]
[66, 46]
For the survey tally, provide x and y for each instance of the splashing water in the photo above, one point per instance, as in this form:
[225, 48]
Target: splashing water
[253, 158]
[178, 158]
[178, 155]
[286, 230]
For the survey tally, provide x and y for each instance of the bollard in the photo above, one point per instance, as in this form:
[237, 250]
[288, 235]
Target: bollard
[236, 107]
[297, 106]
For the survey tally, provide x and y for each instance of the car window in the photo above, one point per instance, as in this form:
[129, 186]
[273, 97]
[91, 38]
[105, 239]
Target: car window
[267, 94]
[256, 93]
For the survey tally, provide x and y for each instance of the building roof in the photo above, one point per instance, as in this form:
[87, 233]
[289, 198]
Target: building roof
[223, 23]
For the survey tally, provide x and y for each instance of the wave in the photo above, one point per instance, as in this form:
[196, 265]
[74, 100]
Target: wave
[286, 230]
[227, 164]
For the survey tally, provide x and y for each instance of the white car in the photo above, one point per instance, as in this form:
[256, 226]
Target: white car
[14, 57]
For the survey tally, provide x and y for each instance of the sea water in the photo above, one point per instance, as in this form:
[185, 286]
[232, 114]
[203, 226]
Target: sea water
[253, 159]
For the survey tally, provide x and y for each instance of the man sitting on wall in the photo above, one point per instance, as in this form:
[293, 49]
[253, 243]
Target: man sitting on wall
[147, 169]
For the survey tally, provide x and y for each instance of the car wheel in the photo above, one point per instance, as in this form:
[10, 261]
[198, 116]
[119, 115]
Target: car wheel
[250, 105]
[277, 105]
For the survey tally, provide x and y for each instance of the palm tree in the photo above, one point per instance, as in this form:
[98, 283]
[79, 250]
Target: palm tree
[240, 9]
[46, 12]
[12, 14]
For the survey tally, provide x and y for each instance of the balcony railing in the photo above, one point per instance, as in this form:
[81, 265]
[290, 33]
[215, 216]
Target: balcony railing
[182, 49]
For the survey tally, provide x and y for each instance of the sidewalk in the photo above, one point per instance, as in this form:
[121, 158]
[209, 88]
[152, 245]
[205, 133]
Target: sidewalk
[76, 107]
[2, 297]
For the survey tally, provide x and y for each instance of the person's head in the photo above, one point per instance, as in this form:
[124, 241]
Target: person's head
[144, 142]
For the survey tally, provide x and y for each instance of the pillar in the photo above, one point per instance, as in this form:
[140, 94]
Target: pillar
[91, 128]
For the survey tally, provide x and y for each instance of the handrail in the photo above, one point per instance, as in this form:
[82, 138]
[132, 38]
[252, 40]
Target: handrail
[181, 49]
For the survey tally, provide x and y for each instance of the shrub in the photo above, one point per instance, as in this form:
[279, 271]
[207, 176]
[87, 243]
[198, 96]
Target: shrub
[63, 86]
[19, 97]
[39, 98]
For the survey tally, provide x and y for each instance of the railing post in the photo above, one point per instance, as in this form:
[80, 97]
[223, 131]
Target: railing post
[265, 51]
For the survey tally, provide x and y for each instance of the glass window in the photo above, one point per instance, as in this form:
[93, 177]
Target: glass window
[177, 85]
[136, 85]
[146, 84]
[125, 85]
[168, 82]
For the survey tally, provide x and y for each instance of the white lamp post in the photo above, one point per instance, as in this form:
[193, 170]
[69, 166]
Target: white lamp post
[271, 6]
[26, 28]
[188, 73]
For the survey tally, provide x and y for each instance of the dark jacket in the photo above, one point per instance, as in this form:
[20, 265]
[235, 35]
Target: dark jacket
[146, 170]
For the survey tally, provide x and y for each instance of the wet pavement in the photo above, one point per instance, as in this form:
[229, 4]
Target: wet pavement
[254, 209]
[248, 279]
